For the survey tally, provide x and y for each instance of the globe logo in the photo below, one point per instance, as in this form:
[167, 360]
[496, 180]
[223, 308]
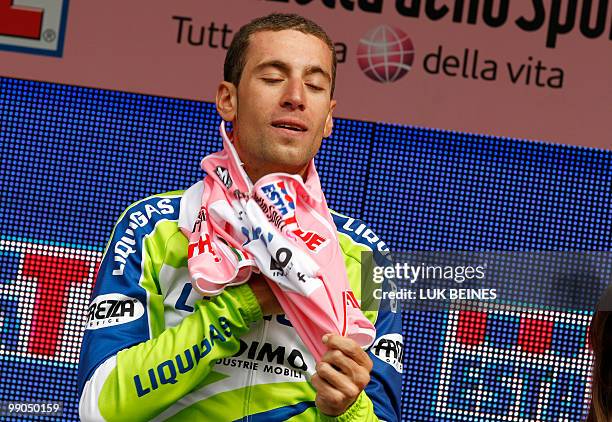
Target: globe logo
[385, 54]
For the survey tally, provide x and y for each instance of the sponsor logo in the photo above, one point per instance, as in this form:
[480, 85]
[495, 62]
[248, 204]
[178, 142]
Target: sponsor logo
[385, 54]
[552, 18]
[282, 215]
[268, 358]
[203, 245]
[280, 261]
[313, 241]
[113, 309]
[197, 226]
[168, 371]
[270, 353]
[124, 247]
[509, 363]
[278, 195]
[282, 354]
[37, 27]
[272, 213]
[367, 235]
[390, 349]
[224, 176]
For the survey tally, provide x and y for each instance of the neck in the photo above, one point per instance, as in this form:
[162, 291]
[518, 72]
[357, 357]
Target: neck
[256, 172]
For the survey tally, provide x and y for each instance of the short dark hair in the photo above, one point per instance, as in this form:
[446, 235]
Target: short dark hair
[235, 59]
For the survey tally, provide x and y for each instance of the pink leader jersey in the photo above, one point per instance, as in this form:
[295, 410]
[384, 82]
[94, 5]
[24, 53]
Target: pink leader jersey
[281, 227]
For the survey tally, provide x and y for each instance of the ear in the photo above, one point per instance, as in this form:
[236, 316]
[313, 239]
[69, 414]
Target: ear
[329, 121]
[227, 100]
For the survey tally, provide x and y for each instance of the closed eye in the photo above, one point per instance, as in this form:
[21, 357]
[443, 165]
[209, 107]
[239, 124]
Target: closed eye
[276, 80]
[315, 87]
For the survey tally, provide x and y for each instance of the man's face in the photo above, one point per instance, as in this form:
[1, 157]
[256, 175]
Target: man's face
[283, 106]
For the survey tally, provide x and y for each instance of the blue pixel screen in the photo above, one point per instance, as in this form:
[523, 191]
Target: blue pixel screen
[74, 158]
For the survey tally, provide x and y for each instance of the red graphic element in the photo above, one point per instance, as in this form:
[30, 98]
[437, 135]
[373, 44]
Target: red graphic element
[287, 197]
[535, 335]
[312, 240]
[385, 54]
[348, 299]
[204, 245]
[471, 327]
[16, 21]
[54, 275]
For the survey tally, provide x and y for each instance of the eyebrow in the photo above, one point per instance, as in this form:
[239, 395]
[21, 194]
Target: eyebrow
[284, 67]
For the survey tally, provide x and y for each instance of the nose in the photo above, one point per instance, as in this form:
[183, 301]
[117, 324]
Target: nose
[293, 96]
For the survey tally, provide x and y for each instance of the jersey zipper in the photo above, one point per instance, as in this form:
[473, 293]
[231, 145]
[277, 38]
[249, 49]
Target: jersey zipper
[251, 373]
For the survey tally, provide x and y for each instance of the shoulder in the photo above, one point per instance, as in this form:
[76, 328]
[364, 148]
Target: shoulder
[145, 225]
[179, 205]
[142, 217]
[356, 236]
[150, 209]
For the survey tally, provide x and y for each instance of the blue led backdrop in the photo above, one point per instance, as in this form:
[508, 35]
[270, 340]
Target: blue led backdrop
[74, 158]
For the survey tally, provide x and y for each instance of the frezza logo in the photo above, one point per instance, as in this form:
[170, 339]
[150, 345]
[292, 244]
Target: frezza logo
[385, 54]
[33, 26]
[113, 309]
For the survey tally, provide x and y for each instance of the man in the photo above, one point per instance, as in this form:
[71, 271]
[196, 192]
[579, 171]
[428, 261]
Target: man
[164, 352]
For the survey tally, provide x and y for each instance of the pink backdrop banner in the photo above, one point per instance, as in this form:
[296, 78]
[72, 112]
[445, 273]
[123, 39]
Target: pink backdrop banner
[539, 69]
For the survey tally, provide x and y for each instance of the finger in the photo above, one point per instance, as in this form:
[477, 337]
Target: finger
[349, 347]
[327, 394]
[316, 382]
[337, 380]
[359, 375]
[342, 362]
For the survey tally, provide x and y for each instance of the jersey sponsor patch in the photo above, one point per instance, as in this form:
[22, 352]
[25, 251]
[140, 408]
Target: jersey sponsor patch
[282, 214]
[358, 230]
[113, 309]
[224, 176]
[390, 349]
[139, 217]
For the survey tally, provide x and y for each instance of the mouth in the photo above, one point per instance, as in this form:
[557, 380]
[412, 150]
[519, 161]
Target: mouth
[293, 126]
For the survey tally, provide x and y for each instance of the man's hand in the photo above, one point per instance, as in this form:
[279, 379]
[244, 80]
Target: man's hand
[342, 374]
[268, 302]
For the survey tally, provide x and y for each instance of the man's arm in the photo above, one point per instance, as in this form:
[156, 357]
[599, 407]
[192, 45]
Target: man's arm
[141, 381]
[387, 351]
[131, 366]
[342, 374]
[381, 398]
[344, 370]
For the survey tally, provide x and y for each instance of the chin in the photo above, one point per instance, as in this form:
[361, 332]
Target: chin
[289, 158]
[289, 167]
